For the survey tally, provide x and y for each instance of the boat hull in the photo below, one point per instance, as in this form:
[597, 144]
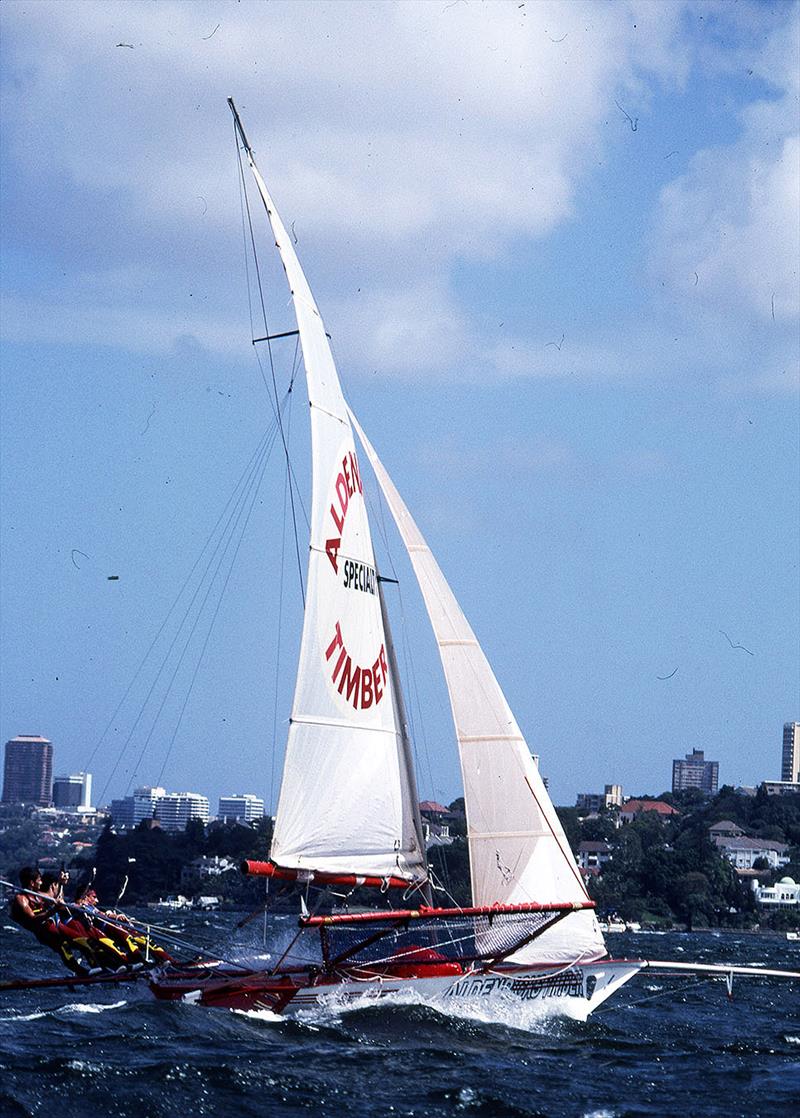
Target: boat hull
[573, 991]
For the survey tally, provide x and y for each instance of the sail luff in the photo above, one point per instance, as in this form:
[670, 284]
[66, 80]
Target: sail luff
[345, 798]
[518, 850]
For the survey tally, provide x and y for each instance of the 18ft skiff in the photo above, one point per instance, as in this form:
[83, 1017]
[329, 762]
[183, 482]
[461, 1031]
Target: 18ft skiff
[348, 811]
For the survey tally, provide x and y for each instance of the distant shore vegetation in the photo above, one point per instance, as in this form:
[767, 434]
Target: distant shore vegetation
[661, 872]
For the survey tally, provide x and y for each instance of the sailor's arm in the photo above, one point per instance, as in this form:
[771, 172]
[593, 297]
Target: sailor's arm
[30, 912]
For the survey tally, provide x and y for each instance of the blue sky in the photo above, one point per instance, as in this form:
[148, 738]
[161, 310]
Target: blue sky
[556, 245]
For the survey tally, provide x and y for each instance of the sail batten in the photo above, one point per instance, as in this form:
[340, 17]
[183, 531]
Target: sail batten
[518, 850]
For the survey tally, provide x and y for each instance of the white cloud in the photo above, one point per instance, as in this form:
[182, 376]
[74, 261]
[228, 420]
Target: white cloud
[400, 140]
[383, 120]
[728, 230]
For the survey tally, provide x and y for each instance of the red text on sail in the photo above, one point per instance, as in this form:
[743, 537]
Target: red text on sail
[347, 481]
[361, 686]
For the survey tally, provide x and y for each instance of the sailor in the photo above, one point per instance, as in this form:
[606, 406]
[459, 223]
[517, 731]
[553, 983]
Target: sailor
[116, 926]
[31, 910]
[25, 908]
[63, 924]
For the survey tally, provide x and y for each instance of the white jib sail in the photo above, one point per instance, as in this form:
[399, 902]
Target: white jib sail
[347, 800]
[517, 846]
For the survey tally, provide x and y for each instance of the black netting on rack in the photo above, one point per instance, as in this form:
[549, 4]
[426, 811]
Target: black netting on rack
[434, 939]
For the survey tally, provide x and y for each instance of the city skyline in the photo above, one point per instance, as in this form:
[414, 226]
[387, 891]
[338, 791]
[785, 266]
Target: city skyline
[692, 765]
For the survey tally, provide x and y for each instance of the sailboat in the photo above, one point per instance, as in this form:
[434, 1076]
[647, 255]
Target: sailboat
[348, 812]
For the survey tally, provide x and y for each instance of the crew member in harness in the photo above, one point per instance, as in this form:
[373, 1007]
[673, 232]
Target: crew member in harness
[33, 911]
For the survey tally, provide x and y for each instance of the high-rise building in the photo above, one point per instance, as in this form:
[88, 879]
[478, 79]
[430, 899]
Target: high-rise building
[790, 758]
[175, 809]
[241, 808]
[28, 771]
[172, 810]
[695, 772]
[130, 811]
[73, 793]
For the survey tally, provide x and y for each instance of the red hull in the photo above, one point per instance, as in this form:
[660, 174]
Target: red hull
[262, 990]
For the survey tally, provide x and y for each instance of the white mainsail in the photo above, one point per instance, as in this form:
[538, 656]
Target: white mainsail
[348, 801]
[518, 850]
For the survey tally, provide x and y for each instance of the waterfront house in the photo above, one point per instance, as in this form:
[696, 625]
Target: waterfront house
[743, 851]
[783, 894]
[631, 808]
[592, 856]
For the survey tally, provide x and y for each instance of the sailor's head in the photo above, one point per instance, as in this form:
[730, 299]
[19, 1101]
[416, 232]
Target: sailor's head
[30, 878]
[49, 883]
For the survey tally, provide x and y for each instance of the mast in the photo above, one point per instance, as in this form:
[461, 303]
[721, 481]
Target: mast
[346, 803]
[238, 124]
[407, 756]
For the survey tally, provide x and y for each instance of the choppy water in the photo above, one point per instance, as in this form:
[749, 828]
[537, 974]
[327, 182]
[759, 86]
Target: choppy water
[115, 1051]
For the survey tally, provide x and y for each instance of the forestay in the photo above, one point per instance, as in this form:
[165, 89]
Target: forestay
[518, 850]
[347, 800]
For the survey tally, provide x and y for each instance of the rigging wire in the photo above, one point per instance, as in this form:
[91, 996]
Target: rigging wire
[236, 500]
[279, 633]
[668, 993]
[290, 468]
[271, 358]
[169, 651]
[264, 443]
[253, 495]
[218, 554]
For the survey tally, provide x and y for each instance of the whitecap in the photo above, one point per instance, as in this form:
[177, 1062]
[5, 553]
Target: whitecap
[84, 1066]
[507, 1011]
[91, 1007]
[259, 1015]
[792, 1039]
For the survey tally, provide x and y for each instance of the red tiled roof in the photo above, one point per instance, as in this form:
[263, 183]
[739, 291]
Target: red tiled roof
[433, 807]
[648, 805]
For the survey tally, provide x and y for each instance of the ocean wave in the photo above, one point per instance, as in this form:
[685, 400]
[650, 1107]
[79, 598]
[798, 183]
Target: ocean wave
[90, 1007]
[26, 1016]
[260, 1015]
[71, 1007]
[507, 1012]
